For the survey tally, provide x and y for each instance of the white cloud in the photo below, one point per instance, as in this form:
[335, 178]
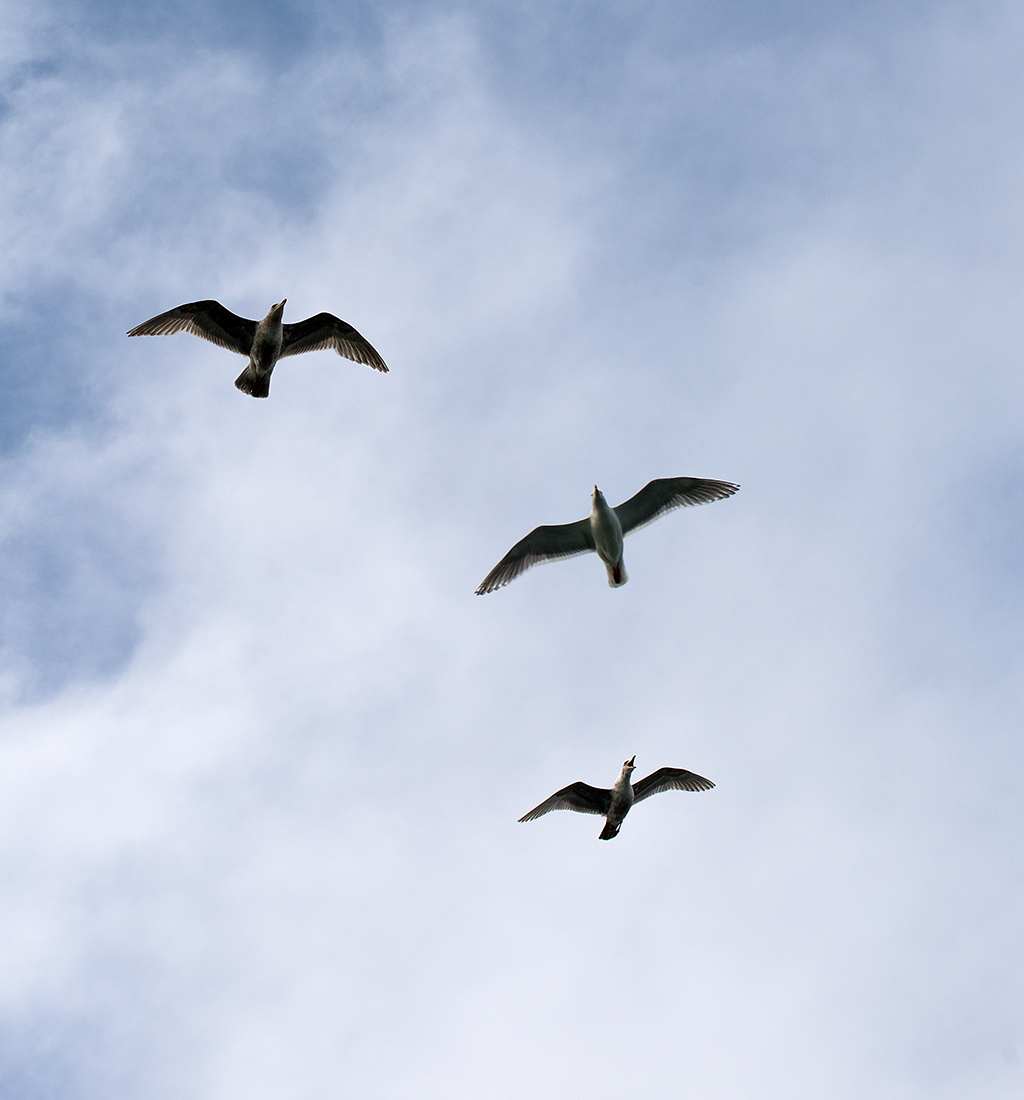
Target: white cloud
[269, 848]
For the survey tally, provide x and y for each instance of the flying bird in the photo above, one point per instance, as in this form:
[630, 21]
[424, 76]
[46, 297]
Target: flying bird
[604, 528]
[613, 805]
[264, 342]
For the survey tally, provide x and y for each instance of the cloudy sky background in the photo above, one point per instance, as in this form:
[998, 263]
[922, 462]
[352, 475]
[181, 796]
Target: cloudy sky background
[263, 750]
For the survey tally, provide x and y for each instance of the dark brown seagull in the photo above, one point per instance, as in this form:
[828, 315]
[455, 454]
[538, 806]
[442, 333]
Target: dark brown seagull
[614, 804]
[603, 530]
[264, 342]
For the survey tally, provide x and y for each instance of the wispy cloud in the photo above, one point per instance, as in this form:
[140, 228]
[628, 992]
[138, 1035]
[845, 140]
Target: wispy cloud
[263, 749]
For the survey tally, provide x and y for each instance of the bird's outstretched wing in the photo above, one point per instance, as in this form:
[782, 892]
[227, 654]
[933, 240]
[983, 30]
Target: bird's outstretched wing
[665, 493]
[565, 540]
[669, 779]
[327, 331]
[580, 797]
[209, 319]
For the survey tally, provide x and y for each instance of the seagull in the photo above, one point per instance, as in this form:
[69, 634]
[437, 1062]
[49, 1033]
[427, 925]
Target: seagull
[613, 805]
[264, 342]
[604, 528]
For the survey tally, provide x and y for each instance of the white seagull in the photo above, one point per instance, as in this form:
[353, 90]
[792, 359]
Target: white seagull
[614, 804]
[264, 342]
[604, 529]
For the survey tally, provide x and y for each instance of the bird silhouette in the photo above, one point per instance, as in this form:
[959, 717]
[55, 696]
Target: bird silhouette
[264, 342]
[604, 529]
[614, 804]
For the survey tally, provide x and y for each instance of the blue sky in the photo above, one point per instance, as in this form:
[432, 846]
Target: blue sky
[263, 750]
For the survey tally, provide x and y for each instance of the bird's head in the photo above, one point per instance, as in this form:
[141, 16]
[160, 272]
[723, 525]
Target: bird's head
[276, 312]
[597, 494]
[629, 766]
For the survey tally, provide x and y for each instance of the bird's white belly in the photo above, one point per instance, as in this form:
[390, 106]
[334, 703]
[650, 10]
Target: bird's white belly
[607, 531]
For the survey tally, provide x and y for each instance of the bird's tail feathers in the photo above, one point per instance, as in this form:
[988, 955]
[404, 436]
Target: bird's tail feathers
[609, 831]
[616, 574]
[251, 383]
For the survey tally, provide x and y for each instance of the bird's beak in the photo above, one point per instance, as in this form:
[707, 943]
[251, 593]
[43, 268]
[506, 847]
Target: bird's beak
[629, 762]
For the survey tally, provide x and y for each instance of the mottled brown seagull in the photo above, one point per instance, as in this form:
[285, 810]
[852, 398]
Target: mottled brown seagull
[604, 529]
[264, 342]
[614, 804]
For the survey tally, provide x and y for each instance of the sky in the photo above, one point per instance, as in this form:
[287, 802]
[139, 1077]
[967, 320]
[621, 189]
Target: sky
[262, 749]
